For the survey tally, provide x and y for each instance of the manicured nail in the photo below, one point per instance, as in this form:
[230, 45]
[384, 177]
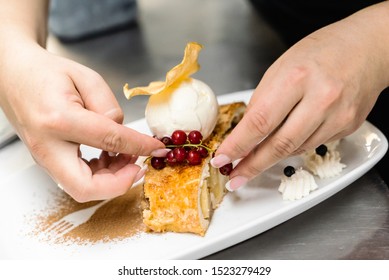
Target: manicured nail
[236, 183]
[220, 160]
[159, 152]
[140, 173]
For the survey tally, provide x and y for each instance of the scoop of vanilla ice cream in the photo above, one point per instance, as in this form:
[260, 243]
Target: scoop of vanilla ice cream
[192, 105]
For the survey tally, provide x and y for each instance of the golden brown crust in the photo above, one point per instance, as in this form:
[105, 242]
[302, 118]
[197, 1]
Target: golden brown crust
[175, 198]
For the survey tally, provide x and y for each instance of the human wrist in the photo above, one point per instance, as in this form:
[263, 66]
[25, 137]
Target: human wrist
[373, 22]
[16, 54]
[27, 18]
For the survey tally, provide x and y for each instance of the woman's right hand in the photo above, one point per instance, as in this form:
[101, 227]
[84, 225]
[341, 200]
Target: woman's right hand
[56, 105]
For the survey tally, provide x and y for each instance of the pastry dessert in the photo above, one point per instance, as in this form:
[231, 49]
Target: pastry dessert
[182, 190]
[182, 197]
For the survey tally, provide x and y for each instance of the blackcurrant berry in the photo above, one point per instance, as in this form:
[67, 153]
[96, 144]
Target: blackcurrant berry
[321, 150]
[289, 171]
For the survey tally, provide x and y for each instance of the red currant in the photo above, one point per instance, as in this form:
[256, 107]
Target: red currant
[179, 154]
[170, 158]
[194, 157]
[187, 149]
[166, 140]
[203, 152]
[158, 162]
[226, 169]
[179, 137]
[195, 137]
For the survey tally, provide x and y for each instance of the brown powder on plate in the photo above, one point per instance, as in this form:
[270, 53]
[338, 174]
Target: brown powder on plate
[118, 219]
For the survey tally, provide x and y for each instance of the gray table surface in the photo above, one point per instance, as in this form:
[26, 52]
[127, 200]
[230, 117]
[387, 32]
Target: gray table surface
[238, 48]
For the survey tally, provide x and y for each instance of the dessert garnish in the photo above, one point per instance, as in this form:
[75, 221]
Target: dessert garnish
[182, 190]
[180, 102]
[289, 171]
[324, 161]
[321, 150]
[185, 149]
[296, 183]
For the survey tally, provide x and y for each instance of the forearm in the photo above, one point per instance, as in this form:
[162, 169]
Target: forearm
[378, 15]
[24, 19]
[23, 30]
[368, 32]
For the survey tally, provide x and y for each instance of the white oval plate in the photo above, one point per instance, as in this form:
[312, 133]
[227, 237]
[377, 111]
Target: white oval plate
[243, 214]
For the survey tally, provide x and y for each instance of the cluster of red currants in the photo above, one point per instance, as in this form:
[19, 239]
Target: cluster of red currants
[185, 149]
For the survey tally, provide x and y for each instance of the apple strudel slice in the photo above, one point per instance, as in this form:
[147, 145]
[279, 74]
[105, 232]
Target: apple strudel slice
[182, 198]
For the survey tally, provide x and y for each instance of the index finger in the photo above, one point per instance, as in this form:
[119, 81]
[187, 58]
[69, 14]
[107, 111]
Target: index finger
[92, 129]
[264, 114]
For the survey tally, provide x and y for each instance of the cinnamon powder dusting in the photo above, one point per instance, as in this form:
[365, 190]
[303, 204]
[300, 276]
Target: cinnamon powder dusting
[118, 219]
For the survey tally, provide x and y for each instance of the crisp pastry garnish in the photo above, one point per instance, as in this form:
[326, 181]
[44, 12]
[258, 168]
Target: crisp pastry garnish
[176, 75]
[182, 197]
[296, 184]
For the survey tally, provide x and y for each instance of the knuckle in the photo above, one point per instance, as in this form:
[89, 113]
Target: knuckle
[113, 142]
[283, 147]
[346, 118]
[93, 76]
[239, 149]
[297, 74]
[350, 119]
[55, 121]
[38, 152]
[352, 116]
[330, 93]
[116, 114]
[250, 166]
[138, 149]
[253, 170]
[258, 123]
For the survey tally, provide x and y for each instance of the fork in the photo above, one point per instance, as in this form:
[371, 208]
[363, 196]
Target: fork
[73, 220]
